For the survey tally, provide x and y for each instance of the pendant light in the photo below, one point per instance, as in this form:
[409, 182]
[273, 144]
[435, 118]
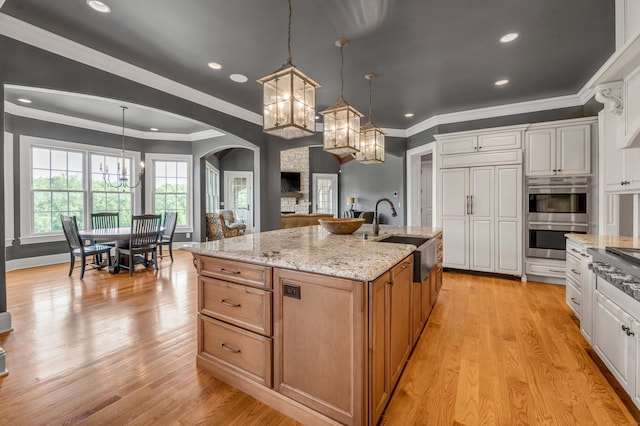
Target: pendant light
[341, 120]
[122, 174]
[289, 100]
[371, 137]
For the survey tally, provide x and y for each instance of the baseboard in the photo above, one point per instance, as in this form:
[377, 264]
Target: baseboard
[30, 262]
[3, 364]
[5, 322]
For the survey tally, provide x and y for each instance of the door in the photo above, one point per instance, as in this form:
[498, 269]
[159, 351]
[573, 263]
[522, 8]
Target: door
[426, 199]
[325, 193]
[481, 208]
[455, 223]
[239, 196]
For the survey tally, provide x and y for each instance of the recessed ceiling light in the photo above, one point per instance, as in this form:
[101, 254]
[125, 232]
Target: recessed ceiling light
[153, 129]
[24, 100]
[501, 82]
[317, 117]
[508, 37]
[239, 78]
[98, 6]
[214, 65]
[409, 115]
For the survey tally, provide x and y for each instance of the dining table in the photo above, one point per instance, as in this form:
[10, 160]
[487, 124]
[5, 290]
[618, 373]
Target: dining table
[120, 236]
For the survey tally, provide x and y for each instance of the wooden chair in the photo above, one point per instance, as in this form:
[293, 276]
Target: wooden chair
[227, 231]
[166, 237]
[231, 221]
[78, 249]
[105, 220]
[145, 232]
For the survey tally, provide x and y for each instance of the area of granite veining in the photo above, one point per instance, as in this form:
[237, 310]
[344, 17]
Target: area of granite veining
[313, 249]
[602, 241]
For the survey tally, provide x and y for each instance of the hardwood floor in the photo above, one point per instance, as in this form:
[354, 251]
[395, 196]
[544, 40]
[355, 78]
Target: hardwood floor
[121, 350]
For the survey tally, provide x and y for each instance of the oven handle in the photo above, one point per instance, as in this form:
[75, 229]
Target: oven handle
[572, 189]
[559, 226]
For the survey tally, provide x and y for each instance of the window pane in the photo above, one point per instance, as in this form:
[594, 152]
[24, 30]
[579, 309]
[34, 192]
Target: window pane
[58, 179]
[98, 202]
[160, 203]
[41, 201]
[58, 160]
[75, 180]
[171, 168]
[40, 158]
[60, 202]
[76, 162]
[181, 185]
[161, 169]
[76, 201]
[161, 185]
[41, 179]
[182, 169]
[42, 222]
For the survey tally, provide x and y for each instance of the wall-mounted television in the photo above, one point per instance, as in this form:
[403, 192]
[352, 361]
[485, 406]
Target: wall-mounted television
[289, 182]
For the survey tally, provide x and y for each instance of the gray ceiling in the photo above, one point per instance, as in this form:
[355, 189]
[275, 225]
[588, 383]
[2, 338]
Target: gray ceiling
[432, 57]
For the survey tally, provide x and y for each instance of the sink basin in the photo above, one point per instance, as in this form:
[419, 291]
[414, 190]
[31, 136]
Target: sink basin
[425, 256]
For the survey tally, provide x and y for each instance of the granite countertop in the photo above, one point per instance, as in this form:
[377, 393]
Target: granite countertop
[313, 249]
[602, 241]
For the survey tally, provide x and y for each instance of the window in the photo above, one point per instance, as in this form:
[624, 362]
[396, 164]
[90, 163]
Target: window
[64, 178]
[106, 198]
[325, 193]
[169, 187]
[212, 188]
[57, 188]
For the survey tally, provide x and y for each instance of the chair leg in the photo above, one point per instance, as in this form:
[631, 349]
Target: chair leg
[154, 259]
[83, 259]
[171, 252]
[130, 264]
[72, 262]
[108, 257]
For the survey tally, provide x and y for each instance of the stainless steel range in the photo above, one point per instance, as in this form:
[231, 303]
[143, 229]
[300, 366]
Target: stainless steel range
[619, 267]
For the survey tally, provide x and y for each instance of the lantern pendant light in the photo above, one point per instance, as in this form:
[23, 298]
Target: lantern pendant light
[371, 137]
[289, 100]
[341, 120]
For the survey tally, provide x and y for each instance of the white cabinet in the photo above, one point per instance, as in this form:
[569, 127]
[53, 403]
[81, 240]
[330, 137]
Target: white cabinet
[580, 286]
[621, 166]
[482, 218]
[466, 142]
[563, 150]
[613, 341]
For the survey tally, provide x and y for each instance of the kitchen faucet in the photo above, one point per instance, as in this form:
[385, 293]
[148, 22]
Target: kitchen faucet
[376, 227]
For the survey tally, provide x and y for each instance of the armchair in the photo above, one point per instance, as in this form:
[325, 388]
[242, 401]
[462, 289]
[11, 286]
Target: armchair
[231, 221]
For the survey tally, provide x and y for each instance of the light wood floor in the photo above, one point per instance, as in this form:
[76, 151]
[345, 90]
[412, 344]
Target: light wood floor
[121, 350]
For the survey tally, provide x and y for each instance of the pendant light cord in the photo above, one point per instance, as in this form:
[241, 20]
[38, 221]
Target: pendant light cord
[123, 108]
[341, 72]
[370, 100]
[289, 36]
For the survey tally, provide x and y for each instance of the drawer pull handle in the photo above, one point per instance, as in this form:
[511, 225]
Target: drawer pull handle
[625, 328]
[195, 262]
[232, 305]
[405, 266]
[228, 349]
[573, 299]
[575, 251]
[226, 271]
[575, 272]
[557, 270]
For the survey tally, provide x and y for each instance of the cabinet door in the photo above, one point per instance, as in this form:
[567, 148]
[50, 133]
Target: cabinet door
[573, 150]
[588, 283]
[459, 145]
[481, 225]
[400, 329]
[319, 343]
[455, 222]
[508, 220]
[611, 342]
[540, 153]
[632, 169]
[499, 141]
[379, 387]
[614, 159]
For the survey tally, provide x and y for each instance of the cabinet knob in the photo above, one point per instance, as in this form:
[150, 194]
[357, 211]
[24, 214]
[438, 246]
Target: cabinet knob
[622, 183]
[625, 328]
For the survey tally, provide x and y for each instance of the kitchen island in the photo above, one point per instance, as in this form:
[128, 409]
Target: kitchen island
[318, 326]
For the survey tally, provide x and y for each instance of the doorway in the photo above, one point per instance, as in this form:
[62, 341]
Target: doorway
[421, 187]
[426, 190]
[325, 193]
[239, 195]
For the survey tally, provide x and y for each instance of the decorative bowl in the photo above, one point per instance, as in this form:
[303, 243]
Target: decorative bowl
[341, 226]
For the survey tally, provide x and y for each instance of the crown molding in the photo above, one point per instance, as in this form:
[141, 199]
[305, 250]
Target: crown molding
[35, 36]
[42, 39]
[68, 120]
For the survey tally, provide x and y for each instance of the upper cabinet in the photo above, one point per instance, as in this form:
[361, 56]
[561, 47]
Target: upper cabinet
[461, 143]
[558, 150]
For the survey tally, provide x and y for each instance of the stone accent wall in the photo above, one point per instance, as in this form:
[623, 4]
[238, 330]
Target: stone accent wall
[296, 160]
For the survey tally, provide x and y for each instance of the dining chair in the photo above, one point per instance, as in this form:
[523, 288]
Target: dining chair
[105, 220]
[77, 248]
[145, 232]
[166, 237]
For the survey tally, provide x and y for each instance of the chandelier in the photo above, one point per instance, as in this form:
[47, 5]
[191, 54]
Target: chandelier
[371, 137]
[122, 177]
[289, 100]
[341, 120]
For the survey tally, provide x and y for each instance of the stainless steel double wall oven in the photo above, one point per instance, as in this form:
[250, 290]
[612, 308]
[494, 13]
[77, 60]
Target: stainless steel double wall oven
[556, 206]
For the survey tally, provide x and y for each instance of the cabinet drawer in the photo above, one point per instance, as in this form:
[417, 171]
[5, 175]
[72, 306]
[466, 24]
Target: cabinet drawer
[574, 297]
[575, 249]
[545, 269]
[404, 267]
[241, 351]
[240, 305]
[574, 269]
[237, 272]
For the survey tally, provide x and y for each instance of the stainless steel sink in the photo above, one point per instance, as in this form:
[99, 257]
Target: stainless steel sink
[425, 256]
